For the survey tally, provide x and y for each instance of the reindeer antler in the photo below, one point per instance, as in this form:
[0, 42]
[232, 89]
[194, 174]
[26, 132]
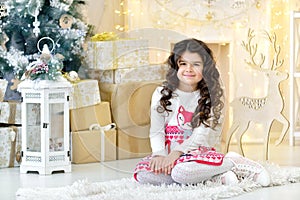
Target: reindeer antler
[276, 63]
[252, 50]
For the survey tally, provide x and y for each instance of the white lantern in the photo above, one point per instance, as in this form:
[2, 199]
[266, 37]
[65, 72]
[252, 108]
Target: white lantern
[45, 126]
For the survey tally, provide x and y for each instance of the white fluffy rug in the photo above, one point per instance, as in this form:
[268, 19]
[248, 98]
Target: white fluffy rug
[130, 190]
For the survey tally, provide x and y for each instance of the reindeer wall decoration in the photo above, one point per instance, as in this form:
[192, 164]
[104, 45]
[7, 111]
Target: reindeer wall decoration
[260, 110]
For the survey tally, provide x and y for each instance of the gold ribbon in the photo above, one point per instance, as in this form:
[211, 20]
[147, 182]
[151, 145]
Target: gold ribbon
[115, 58]
[95, 54]
[13, 149]
[77, 97]
[12, 112]
[105, 36]
[18, 144]
[1, 95]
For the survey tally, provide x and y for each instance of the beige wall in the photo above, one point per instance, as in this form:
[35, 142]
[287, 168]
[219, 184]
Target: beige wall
[101, 14]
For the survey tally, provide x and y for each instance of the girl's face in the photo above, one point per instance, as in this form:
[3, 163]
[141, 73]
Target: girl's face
[190, 67]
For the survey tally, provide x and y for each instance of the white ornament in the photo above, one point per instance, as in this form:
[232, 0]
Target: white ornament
[73, 76]
[36, 25]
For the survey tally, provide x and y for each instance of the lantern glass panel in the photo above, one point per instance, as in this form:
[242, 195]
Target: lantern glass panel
[56, 135]
[33, 127]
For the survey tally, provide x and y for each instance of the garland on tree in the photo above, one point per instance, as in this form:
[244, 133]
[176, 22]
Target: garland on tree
[24, 22]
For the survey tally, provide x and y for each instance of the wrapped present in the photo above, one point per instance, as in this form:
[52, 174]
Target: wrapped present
[125, 75]
[10, 146]
[130, 146]
[3, 86]
[10, 112]
[130, 107]
[110, 90]
[82, 118]
[90, 146]
[84, 93]
[123, 53]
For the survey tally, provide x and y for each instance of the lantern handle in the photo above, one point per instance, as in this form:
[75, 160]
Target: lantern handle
[46, 38]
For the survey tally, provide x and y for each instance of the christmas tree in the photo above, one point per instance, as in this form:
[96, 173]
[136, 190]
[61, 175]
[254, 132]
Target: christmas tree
[24, 22]
[24, 25]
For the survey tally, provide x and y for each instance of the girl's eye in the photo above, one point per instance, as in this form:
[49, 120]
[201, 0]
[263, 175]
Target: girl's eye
[197, 65]
[182, 63]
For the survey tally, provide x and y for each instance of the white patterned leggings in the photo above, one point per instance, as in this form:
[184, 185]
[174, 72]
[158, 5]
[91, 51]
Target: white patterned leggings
[185, 173]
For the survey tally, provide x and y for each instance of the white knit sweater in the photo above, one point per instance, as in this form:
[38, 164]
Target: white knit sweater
[188, 101]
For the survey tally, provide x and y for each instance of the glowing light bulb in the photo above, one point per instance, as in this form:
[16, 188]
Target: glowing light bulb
[258, 5]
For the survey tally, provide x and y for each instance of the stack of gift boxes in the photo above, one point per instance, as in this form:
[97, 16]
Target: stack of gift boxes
[126, 81]
[86, 110]
[122, 61]
[119, 89]
[10, 129]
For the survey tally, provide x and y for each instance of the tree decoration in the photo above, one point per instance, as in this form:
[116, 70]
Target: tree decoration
[36, 24]
[25, 22]
[47, 67]
[4, 41]
[72, 76]
[3, 11]
[66, 21]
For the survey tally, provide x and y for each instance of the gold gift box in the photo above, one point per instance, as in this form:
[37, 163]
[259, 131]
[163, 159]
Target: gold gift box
[10, 112]
[90, 146]
[123, 53]
[130, 105]
[126, 75]
[83, 118]
[84, 93]
[10, 146]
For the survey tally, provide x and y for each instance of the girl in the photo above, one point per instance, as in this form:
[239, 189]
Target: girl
[185, 125]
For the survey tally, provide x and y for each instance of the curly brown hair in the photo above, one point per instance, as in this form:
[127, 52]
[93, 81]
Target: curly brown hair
[209, 106]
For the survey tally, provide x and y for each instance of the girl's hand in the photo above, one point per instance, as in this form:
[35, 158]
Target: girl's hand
[168, 162]
[156, 164]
